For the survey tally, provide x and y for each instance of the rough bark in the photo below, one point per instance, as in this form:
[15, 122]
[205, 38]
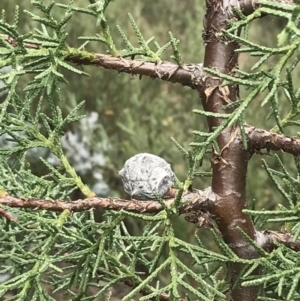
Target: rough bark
[230, 165]
[190, 75]
[261, 139]
[191, 201]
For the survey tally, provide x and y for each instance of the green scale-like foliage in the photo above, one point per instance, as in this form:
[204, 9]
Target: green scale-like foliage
[43, 253]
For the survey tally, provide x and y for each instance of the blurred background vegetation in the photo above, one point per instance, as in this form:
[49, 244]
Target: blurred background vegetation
[127, 115]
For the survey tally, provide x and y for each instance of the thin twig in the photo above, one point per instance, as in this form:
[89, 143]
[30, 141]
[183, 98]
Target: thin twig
[7, 216]
[191, 201]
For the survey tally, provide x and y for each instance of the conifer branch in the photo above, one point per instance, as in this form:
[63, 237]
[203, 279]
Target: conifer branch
[229, 167]
[191, 75]
[271, 239]
[192, 201]
[14, 43]
[6, 215]
[247, 7]
[262, 139]
[197, 201]
[91, 245]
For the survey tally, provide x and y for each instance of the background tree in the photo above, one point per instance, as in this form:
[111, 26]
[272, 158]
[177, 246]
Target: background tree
[45, 253]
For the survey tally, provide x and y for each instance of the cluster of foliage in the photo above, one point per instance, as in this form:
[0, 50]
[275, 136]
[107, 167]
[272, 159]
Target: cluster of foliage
[45, 253]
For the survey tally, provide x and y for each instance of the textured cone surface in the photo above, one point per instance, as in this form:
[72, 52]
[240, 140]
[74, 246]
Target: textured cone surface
[145, 175]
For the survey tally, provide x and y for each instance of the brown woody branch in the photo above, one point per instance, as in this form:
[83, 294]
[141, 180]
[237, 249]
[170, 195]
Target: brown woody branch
[261, 139]
[6, 215]
[267, 239]
[191, 75]
[192, 201]
[229, 167]
[249, 6]
[187, 75]
[197, 201]
[14, 43]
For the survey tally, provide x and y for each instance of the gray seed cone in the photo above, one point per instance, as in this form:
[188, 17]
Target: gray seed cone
[145, 175]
